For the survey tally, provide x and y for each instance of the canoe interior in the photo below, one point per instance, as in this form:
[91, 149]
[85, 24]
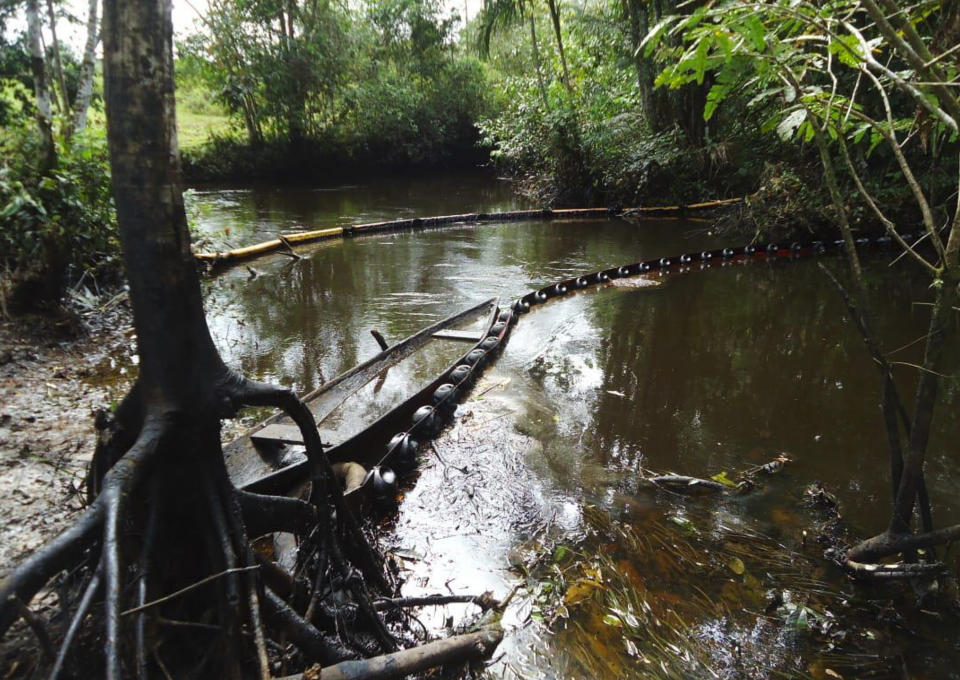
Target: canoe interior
[349, 403]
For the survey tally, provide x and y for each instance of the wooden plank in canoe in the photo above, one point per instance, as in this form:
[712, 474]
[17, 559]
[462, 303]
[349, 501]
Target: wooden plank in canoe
[278, 432]
[465, 336]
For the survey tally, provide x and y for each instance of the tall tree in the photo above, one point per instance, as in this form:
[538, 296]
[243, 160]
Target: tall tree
[64, 97]
[554, 8]
[87, 68]
[162, 505]
[38, 69]
[495, 16]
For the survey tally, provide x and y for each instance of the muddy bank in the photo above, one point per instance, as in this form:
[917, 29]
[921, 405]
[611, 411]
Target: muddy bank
[54, 376]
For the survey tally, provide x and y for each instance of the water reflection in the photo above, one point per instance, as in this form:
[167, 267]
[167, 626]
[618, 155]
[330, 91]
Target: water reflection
[698, 374]
[695, 373]
[301, 319]
[232, 217]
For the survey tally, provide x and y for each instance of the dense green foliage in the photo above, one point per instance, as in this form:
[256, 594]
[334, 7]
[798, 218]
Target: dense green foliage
[609, 137]
[815, 79]
[614, 102]
[316, 85]
[683, 101]
[58, 224]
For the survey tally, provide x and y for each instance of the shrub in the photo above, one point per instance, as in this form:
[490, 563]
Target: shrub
[59, 228]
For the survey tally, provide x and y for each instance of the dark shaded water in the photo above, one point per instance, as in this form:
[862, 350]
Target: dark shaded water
[228, 217]
[697, 373]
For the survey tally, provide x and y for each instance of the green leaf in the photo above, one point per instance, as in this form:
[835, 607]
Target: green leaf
[789, 125]
[652, 39]
[723, 479]
[753, 29]
[612, 620]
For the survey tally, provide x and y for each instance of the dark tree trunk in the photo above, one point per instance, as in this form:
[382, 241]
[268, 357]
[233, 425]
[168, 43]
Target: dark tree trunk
[177, 354]
[558, 34]
[162, 505]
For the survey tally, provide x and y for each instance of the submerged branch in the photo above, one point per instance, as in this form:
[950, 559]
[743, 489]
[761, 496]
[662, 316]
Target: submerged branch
[457, 649]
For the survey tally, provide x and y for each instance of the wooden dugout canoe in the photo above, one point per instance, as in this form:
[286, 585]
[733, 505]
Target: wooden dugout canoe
[256, 460]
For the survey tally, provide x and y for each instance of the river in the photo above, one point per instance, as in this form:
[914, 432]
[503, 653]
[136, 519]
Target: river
[537, 487]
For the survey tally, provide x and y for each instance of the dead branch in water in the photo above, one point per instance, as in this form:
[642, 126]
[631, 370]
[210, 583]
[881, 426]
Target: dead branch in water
[455, 650]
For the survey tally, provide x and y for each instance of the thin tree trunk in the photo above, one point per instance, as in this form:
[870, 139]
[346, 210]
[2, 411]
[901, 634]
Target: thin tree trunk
[639, 25]
[555, 18]
[58, 62]
[87, 68]
[926, 396]
[38, 68]
[536, 59]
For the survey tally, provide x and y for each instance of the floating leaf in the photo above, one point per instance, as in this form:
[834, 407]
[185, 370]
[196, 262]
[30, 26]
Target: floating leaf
[723, 479]
[612, 620]
[580, 591]
[560, 553]
[736, 566]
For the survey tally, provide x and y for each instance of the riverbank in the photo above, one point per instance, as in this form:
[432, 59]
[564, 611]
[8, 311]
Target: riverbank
[55, 375]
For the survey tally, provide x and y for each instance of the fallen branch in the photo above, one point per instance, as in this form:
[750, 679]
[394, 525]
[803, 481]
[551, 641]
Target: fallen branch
[685, 484]
[187, 589]
[378, 336]
[457, 649]
[288, 248]
[875, 548]
[485, 601]
[863, 570]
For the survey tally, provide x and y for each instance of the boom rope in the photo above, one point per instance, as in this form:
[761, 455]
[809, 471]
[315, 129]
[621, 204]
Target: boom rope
[286, 241]
[429, 418]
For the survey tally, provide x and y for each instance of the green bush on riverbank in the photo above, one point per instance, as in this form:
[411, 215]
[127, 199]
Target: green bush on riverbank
[58, 223]
[343, 90]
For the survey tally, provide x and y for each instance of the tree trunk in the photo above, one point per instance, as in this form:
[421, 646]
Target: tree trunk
[924, 403]
[48, 156]
[163, 506]
[535, 47]
[58, 62]
[87, 68]
[164, 285]
[639, 25]
[558, 34]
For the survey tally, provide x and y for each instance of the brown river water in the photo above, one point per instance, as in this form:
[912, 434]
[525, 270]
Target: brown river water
[537, 487]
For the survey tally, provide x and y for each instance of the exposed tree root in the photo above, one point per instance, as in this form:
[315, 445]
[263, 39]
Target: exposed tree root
[83, 608]
[181, 568]
[888, 544]
[901, 570]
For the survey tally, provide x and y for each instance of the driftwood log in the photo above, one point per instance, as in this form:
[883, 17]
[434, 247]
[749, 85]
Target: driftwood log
[458, 649]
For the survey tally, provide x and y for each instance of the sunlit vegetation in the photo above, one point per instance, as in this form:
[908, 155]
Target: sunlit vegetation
[322, 89]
